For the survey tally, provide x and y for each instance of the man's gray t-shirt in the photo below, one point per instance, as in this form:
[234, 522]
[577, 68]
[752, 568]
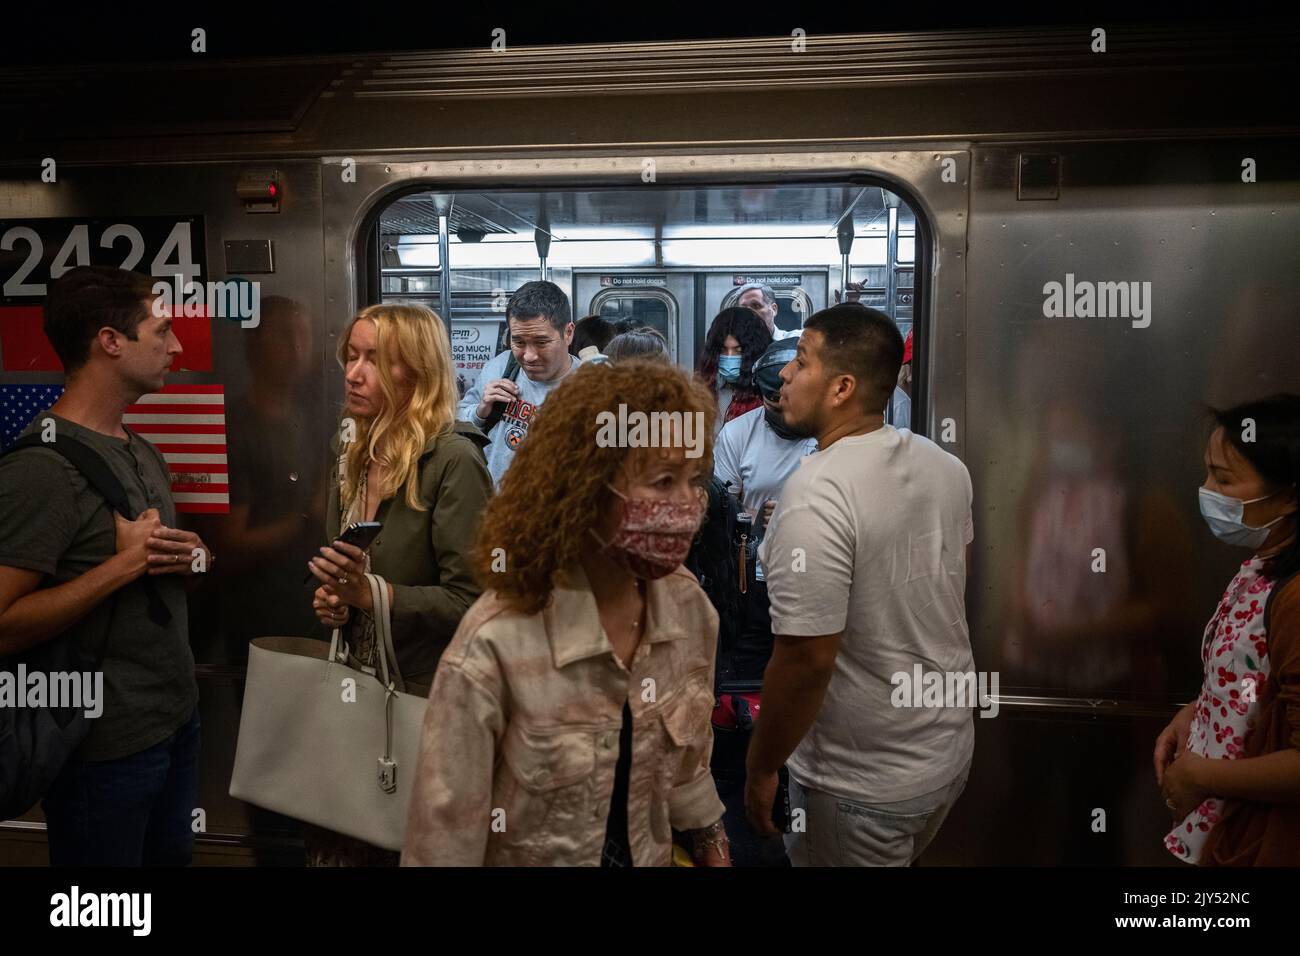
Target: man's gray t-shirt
[513, 427]
[52, 521]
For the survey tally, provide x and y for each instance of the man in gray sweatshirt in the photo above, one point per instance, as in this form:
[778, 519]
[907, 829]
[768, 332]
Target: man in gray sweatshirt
[541, 327]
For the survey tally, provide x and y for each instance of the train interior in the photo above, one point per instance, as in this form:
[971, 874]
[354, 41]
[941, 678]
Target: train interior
[668, 258]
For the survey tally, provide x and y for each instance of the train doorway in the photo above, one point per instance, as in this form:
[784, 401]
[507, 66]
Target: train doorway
[664, 258]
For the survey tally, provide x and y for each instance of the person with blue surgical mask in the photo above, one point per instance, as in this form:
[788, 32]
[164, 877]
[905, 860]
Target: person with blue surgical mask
[1228, 764]
[737, 337]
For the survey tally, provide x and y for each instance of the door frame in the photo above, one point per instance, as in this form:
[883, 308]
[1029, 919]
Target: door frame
[934, 182]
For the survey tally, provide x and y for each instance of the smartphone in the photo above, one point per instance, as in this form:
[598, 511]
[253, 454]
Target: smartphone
[361, 534]
[781, 806]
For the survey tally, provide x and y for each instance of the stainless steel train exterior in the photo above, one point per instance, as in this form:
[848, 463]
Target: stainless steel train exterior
[1026, 157]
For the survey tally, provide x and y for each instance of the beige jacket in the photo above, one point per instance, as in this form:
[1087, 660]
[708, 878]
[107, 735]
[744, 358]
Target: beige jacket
[521, 736]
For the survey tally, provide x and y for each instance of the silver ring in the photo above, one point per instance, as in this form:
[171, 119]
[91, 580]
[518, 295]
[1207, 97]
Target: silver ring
[343, 579]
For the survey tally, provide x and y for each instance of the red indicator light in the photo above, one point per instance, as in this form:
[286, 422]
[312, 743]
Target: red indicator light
[271, 190]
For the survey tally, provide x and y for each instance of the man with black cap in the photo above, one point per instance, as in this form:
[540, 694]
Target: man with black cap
[755, 453]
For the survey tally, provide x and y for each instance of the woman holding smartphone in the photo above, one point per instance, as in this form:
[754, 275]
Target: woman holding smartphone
[406, 463]
[569, 724]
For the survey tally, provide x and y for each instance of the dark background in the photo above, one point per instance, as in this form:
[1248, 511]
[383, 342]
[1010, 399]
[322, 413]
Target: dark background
[35, 33]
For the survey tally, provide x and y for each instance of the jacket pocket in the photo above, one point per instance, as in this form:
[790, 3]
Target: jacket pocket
[542, 762]
[687, 718]
[547, 793]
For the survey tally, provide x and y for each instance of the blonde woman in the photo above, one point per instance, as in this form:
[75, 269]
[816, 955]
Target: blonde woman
[412, 467]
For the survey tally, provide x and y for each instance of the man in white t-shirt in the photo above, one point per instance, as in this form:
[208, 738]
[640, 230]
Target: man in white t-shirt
[866, 573]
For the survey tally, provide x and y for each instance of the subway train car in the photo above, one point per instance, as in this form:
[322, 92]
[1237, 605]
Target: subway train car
[956, 175]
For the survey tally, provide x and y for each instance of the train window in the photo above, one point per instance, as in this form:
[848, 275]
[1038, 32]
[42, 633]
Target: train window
[651, 307]
[875, 291]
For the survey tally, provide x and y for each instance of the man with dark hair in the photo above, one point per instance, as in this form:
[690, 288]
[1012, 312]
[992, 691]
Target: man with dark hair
[866, 568]
[514, 384]
[70, 565]
[590, 332]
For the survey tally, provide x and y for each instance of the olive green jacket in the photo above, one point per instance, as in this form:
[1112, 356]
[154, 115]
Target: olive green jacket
[424, 555]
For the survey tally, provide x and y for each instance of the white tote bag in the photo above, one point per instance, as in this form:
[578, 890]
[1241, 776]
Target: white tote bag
[326, 742]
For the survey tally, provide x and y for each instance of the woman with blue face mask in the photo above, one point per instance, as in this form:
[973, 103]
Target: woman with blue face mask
[735, 341]
[1228, 764]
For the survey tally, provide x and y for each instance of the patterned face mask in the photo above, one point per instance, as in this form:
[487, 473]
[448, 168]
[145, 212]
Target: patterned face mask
[655, 535]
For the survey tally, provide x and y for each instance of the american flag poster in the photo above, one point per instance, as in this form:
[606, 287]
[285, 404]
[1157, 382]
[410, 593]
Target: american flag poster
[186, 422]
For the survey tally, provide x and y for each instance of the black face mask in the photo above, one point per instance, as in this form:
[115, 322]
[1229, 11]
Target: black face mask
[777, 424]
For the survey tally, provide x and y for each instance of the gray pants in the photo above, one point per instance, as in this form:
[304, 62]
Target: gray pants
[839, 832]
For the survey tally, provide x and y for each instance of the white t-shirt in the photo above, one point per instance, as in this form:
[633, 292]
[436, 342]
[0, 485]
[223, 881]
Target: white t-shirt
[780, 333]
[754, 458]
[725, 394]
[882, 520]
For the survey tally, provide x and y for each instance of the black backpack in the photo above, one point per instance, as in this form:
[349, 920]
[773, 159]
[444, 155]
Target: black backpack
[714, 560]
[36, 742]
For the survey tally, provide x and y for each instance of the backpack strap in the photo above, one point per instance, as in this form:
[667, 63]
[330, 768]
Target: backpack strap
[100, 476]
[499, 408]
[1274, 592]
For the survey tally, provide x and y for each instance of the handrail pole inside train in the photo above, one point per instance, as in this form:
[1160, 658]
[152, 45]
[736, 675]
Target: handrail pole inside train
[444, 264]
[543, 240]
[891, 257]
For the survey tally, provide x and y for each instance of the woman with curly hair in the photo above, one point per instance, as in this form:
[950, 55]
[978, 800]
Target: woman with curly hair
[405, 462]
[736, 339]
[569, 722]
